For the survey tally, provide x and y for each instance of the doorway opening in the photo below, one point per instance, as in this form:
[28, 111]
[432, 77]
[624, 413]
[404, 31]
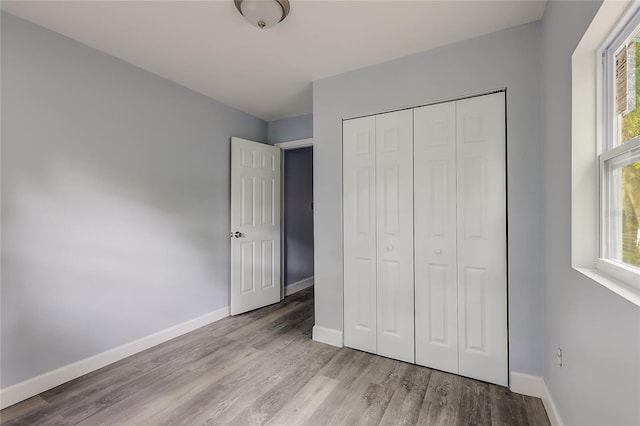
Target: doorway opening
[297, 215]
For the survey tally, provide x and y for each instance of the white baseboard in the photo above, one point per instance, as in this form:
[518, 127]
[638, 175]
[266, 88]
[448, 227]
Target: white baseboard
[298, 286]
[327, 335]
[550, 406]
[526, 384]
[34, 386]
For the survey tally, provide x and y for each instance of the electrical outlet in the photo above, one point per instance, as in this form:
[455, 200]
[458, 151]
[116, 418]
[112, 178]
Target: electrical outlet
[559, 355]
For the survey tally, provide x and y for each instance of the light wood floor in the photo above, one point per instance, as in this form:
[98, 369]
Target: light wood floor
[263, 368]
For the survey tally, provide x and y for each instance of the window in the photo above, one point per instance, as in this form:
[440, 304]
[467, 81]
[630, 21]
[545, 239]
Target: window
[600, 151]
[619, 158]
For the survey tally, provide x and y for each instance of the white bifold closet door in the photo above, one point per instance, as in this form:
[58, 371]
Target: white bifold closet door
[394, 200]
[360, 229]
[378, 234]
[436, 285]
[460, 234]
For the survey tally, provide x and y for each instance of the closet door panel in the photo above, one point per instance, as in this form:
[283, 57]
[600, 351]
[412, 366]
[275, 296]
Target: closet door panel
[436, 296]
[481, 238]
[359, 210]
[394, 200]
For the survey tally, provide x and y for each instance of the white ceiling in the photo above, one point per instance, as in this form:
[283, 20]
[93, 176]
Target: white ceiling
[208, 47]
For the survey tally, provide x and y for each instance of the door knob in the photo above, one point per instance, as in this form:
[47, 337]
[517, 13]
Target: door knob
[237, 234]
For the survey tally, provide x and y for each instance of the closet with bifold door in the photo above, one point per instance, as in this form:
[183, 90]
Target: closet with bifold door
[424, 225]
[378, 234]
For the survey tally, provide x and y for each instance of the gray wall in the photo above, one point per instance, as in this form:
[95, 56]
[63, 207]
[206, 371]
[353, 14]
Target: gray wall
[290, 129]
[599, 331]
[298, 214]
[510, 59]
[115, 201]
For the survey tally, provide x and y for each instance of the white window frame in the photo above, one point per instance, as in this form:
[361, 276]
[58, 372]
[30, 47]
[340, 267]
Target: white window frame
[608, 150]
[587, 129]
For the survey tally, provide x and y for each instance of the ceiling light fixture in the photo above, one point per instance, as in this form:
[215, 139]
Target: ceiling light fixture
[263, 13]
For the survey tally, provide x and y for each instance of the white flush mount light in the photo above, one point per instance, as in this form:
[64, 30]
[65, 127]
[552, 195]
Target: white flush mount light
[263, 13]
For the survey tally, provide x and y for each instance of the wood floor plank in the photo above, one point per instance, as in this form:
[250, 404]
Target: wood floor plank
[123, 387]
[262, 367]
[507, 408]
[169, 400]
[300, 408]
[354, 366]
[474, 406]
[341, 362]
[282, 330]
[25, 407]
[288, 327]
[184, 350]
[278, 391]
[146, 392]
[441, 401]
[404, 407]
[536, 413]
[262, 323]
[234, 391]
[354, 382]
[370, 408]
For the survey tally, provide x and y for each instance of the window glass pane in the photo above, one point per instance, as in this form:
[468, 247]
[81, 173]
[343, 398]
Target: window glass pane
[631, 214]
[627, 81]
[623, 212]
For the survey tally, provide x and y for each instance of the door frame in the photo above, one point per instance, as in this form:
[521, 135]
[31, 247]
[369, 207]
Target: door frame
[287, 146]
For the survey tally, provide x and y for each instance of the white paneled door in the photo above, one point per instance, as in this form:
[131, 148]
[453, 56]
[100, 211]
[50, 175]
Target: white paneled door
[378, 234]
[394, 213]
[436, 284]
[481, 238]
[359, 181]
[255, 225]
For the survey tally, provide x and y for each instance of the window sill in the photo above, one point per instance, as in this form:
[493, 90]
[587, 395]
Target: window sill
[618, 287]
